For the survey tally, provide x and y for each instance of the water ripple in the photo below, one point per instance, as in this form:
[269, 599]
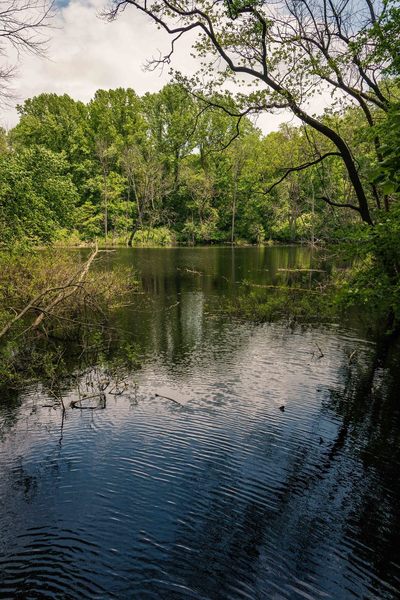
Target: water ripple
[222, 496]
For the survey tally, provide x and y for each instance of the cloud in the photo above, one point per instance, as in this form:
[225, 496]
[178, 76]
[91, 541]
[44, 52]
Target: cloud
[86, 53]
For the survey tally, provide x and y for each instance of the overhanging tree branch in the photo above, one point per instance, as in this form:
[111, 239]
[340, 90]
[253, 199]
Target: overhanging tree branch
[212, 103]
[22, 27]
[300, 168]
[241, 38]
[338, 204]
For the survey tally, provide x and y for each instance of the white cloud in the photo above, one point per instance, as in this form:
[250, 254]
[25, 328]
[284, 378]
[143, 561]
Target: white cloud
[87, 53]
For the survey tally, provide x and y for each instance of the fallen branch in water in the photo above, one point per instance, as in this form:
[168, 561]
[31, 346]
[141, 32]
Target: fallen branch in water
[352, 355]
[168, 398]
[71, 283]
[77, 322]
[281, 287]
[115, 391]
[28, 307]
[100, 406]
[74, 405]
[173, 305]
[187, 270]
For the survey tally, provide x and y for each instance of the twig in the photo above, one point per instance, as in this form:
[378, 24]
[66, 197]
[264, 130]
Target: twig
[321, 354]
[352, 355]
[59, 399]
[173, 305]
[168, 398]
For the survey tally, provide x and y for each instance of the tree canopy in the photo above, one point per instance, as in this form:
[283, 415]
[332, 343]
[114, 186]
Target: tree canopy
[288, 52]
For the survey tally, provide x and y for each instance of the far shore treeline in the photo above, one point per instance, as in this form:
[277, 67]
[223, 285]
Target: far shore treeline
[168, 167]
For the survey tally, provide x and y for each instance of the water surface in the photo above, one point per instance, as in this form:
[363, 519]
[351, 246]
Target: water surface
[220, 494]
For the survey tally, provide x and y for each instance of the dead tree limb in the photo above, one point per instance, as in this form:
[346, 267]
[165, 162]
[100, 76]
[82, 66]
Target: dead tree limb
[61, 296]
[74, 283]
[168, 398]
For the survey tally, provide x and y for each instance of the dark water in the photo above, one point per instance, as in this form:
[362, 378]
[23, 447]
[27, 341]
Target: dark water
[222, 496]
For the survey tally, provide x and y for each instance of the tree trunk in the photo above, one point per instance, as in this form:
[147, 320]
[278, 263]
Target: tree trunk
[347, 158]
[233, 210]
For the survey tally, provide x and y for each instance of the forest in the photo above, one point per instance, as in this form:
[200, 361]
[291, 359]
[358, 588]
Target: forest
[188, 164]
[172, 168]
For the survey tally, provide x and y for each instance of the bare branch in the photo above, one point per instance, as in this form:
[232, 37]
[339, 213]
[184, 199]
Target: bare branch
[338, 204]
[300, 168]
[22, 27]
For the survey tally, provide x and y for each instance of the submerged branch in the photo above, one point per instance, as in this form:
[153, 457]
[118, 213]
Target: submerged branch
[284, 288]
[168, 398]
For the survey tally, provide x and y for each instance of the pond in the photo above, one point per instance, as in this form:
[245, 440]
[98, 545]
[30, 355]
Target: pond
[240, 461]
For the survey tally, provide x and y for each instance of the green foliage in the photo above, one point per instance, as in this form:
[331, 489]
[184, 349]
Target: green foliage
[284, 303]
[168, 160]
[37, 196]
[160, 236]
[257, 233]
[387, 172]
[374, 281]
[385, 34]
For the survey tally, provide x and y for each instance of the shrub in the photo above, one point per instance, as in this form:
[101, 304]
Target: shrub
[157, 236]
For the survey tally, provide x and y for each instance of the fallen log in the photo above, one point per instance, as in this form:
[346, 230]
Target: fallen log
[301, 270]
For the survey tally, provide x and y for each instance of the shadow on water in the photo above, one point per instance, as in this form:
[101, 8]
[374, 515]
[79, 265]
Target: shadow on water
[310, 505]
[219, 494]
